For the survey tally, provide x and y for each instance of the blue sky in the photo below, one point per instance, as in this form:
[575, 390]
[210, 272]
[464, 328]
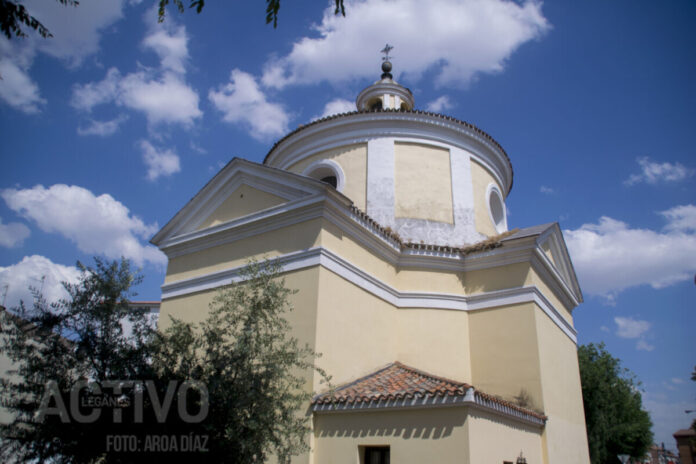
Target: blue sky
[109, 128]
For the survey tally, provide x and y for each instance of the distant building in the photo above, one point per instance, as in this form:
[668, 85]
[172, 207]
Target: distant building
[686, 445]
[657, 454]
[450, 337]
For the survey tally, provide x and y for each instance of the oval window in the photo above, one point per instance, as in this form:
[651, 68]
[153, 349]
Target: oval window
[496, 209]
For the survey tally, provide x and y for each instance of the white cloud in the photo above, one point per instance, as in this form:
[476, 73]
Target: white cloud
[38, 272]
[13, 234]
[76, 34]
[677, 380]
[337, 106]
[653, 173]
[159, 163]
[627, 327]
[197, 148]
[171, 46]
[165, 99]
[643, 345]
[546, 190]
[17, 89]
[87, 96]
[458, 38]
[610, 256]
[439, 104]
[96, 224]
[681, 218]
[162, 95]
[76, 30]
[604, 328]
[242, 102]
[102, 128]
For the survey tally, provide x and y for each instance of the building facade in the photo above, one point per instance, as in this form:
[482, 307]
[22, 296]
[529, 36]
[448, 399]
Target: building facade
[449, 335]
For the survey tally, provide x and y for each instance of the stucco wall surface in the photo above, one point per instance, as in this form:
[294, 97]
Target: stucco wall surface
[353, 162]
[414, 436]
[565, 433]
[422, 182]
[481, 178]
[243, 201]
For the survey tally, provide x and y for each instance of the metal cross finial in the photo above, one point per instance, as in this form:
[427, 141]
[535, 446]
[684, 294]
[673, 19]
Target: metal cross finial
[387, 48]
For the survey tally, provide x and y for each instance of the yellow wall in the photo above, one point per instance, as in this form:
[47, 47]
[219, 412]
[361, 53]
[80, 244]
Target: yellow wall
[547, 251]
[437, 435]
[277, 242]
[504, 352]
[353, 161]
[493, 439]
[414, 436]
[565, 433]
[499, 350]
[358, 333]
[481, 178]
[244, 200]
[555, 301]
[422, 182]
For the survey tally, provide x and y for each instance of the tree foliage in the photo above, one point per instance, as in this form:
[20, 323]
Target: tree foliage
[14, 17]
[272, 8]
[616, 421]
[254, 373]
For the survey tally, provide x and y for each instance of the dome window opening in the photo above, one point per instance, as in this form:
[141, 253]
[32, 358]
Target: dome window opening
[496, 209]
[331, 180]
[327, 171]
[375, 104]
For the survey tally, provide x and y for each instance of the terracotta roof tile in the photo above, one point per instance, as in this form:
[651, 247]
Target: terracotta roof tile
[398, 381]
[429, 113]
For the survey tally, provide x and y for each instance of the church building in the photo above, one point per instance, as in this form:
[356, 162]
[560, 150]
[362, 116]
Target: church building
[448, 335]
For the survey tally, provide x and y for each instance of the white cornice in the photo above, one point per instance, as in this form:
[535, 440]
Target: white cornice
[359, 277]
[331, 206]
[361, 127]
[471, 400]
[237, 172]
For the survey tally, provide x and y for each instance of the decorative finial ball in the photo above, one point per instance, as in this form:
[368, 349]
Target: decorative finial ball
[386, 66]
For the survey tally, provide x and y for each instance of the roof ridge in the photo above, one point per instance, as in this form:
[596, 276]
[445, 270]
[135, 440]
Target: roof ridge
[395, 110]
[431, 376]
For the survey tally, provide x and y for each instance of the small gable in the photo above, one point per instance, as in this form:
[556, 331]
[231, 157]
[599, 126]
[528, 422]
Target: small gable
[243, 201]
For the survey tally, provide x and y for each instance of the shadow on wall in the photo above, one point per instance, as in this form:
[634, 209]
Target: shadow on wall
[424, 424]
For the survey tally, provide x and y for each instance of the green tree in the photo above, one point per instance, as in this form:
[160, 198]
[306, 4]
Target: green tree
[616, 421]
[64, 343]
[256, 373]
[255, 376]
[14, 17]
[272, 8]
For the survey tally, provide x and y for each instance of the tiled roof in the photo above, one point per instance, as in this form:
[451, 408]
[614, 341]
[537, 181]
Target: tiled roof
[428, 113]
[487, 244]
[400, 382]
[395, 381]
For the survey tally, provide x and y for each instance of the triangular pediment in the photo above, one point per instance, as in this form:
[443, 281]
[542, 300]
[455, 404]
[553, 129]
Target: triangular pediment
[240, 189]
[243, 201]
[553, 245]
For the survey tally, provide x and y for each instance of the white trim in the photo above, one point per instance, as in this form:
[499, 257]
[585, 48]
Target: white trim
[363, 127]
[332, 206]
[327, 164]
[380, 181]
[492, 189]
[216, 191]
[431, 300]
[471, 399]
